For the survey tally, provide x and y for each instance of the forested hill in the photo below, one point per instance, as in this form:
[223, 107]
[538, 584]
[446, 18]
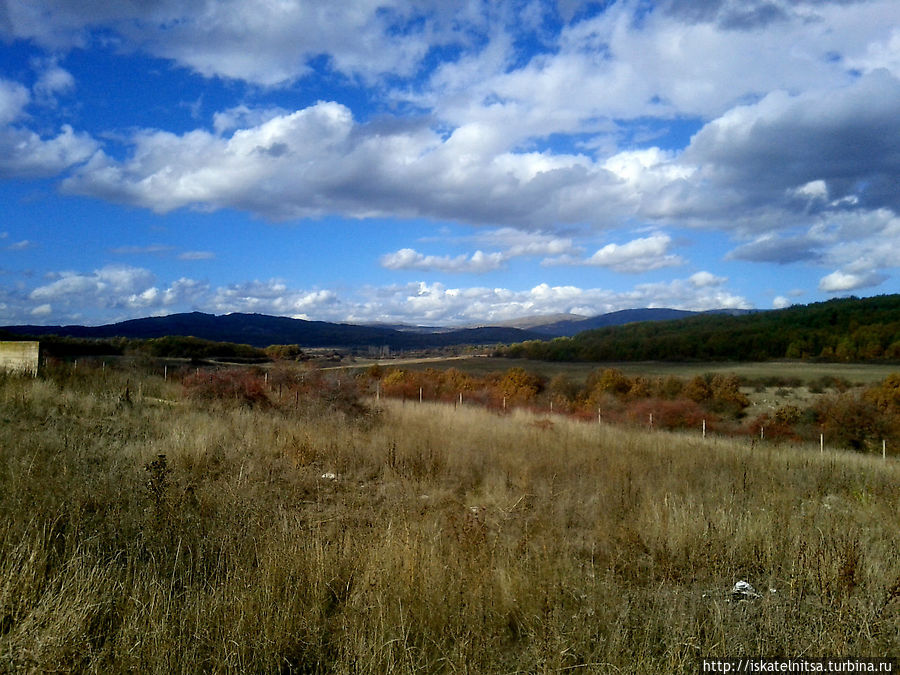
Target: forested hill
[851, 329]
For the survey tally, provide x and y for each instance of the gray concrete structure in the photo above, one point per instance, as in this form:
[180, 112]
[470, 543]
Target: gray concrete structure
[20, 357]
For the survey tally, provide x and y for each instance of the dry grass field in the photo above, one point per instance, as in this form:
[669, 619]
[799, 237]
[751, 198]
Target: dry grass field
[144, 531]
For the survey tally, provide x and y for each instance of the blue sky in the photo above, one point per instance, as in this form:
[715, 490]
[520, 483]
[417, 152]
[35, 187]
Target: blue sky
[444, 163]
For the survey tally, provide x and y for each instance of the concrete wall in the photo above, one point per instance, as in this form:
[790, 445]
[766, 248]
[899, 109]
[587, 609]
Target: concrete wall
[19, 357]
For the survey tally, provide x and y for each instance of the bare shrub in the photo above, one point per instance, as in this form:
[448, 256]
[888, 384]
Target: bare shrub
[235, 385]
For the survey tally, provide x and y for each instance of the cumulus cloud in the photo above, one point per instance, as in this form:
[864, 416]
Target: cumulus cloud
[626, 63]
[769, 165]
[636, 256]
[844, 142]
[795, 156]
[513, 243]
[261, 42]
[115, 291]
[53, 80]
[23, 153]
[114, 280]
[13, 99]
[410, 259]
[521, 243]
[318, 160]
[271, 297]
[120, 292]
[840, 282]
[437, 303]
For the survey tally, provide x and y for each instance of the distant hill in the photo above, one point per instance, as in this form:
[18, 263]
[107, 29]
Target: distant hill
[260, 330]
[849, 329]
[536, 323]
[570, 327]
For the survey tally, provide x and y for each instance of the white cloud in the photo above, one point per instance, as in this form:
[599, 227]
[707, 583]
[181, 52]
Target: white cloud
[13, 99]
[318, 160]
[113, 279]
[25, 154]
[757, 168]
[880, 54]
[53, 80]
[152, 249]
[267, 43]
[410, 259]
[813, 190]
[626, 63]
[518, 243]
[839, 282]
[271, 297]
[243, 117]
[636, 256]
[21, 245]
[437, 303]
[115, 293]
[706, 279]
[512, 242]
[197, 255]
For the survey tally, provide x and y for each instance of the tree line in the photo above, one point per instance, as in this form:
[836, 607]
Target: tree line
[851, 329]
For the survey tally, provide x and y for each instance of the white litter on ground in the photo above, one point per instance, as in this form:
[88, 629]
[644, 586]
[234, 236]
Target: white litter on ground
[744, 591]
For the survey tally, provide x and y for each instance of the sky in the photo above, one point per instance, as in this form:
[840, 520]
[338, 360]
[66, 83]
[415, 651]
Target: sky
[444, 162]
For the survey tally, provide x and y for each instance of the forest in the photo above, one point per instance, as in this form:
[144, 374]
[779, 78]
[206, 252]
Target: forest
[842, 330]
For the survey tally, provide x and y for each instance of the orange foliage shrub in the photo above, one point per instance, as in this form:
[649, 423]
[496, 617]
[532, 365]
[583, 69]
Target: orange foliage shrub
[678, 414]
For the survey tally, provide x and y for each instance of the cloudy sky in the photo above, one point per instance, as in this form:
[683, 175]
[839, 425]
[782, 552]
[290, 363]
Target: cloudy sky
[444, 162]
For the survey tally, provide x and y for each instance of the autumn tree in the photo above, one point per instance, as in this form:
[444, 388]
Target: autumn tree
[519, 386]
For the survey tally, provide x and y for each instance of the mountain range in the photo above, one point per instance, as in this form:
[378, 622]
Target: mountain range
[260, 330]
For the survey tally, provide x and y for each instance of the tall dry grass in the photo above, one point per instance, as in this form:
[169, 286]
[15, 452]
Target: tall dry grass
[138, 534]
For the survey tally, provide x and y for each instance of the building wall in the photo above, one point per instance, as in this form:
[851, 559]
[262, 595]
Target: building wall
[19, 357]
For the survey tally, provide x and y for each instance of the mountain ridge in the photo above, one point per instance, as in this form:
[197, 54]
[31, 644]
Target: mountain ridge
[261, 330]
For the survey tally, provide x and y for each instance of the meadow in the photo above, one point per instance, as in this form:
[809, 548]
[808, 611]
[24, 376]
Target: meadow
[804, 371]
[146, 527]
